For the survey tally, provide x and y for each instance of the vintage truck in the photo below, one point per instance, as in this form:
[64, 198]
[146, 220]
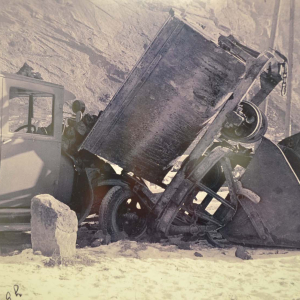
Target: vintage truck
[190, 90]
[32, 159]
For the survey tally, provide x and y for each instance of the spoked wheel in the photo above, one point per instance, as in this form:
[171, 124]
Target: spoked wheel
[122, 212]
[204, 214]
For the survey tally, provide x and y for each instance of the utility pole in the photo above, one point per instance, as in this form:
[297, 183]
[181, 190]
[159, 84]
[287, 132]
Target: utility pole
[264, 105]
[290, 70]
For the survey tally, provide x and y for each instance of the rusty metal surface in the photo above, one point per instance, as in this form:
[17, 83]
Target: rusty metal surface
[275, 220]
[172, 91]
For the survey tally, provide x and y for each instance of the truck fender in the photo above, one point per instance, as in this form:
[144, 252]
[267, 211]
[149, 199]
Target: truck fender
[102, 188]
[83, 195]
[89, 193]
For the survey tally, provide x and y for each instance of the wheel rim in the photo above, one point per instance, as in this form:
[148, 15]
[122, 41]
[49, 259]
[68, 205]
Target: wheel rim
[249, 131]
[130, 216]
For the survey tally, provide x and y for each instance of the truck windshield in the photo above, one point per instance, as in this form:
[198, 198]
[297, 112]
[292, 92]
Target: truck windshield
[30, 111]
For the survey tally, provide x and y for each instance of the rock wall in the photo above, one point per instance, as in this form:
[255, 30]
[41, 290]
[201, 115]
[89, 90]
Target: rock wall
[89, 46]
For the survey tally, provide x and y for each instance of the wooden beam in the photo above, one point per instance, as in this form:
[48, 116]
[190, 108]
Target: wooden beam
[274, 24]
[264, 105]
[290, 70]
[15, 227]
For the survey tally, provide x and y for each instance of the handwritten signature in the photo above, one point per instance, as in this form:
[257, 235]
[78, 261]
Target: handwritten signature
[16, 290]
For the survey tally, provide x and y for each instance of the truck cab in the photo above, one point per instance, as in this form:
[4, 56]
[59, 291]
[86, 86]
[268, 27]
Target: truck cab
[31, 112]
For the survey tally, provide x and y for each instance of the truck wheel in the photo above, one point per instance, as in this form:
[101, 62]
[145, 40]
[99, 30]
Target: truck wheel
[122, 212]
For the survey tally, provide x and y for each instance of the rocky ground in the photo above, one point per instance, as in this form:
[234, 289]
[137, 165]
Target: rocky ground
[169, 268]
[131, 270]
[174, 268]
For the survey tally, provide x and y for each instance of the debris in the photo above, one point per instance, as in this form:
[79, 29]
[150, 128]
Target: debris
[82, 232]
[177, 241]
[242, 253]
[16, 252]
[101, 239]
[118, 236]
[212, 241]
[83, 243]
[26, 70]
[49, 263]
[105, 238]
[197, 254]
[99, 234]
[97, 243]
[184, 246]
[85, 236]
[53, 227]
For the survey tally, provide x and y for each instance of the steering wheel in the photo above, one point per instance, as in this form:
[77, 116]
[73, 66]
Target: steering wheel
[25, 126]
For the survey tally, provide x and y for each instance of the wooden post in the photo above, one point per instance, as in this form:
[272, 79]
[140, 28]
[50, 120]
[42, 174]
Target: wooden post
[264, 105]
[290, 70]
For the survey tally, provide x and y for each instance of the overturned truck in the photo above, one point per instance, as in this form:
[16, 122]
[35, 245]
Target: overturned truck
[187, 83]
[192, 93]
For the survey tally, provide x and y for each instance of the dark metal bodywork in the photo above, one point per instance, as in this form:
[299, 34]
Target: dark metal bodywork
[179, 83]
[183, 81]
[274, 221]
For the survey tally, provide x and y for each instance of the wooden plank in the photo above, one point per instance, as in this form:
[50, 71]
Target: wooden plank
[158, 113]
[290, 70]
[111, 112]
[15, 227]
[264, 106]
[14, 215]
[17, 211]
[14, 211]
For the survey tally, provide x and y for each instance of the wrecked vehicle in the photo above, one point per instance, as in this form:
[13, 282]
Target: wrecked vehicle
[190, 82]
[188, 91]
[34, 138]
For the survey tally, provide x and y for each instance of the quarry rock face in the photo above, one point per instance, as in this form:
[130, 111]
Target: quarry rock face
[90, 47]
[53, 227]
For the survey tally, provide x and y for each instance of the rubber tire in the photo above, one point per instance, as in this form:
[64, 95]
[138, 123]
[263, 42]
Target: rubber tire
[108, 207]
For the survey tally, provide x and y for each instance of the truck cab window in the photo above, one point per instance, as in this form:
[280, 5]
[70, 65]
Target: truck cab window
[30, 111]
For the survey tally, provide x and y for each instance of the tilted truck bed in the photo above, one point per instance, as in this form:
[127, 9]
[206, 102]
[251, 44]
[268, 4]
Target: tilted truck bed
[174, 89]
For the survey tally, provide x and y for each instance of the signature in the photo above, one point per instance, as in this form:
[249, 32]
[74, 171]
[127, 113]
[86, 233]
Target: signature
[16, 292]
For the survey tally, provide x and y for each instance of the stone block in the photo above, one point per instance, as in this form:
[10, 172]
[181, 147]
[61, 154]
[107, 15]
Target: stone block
[242, 253]
[53, 227]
